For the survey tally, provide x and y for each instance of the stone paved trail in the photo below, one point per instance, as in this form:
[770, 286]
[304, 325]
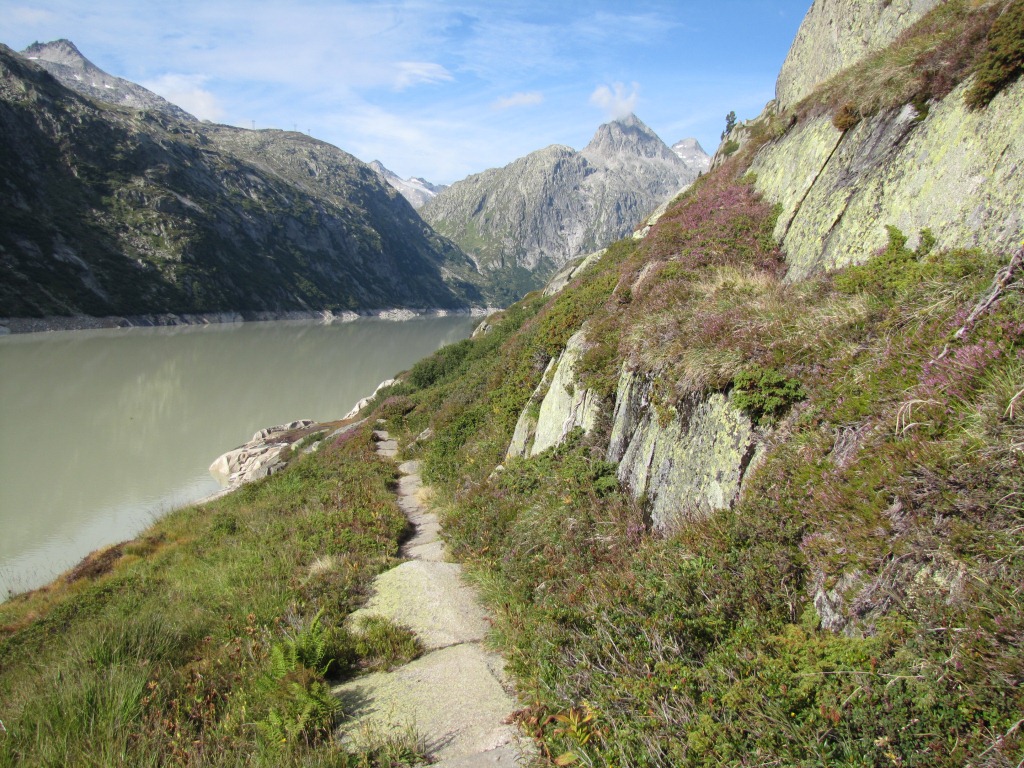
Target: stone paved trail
[455, 694]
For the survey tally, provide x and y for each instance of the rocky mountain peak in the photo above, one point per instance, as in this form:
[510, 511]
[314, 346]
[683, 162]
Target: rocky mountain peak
[59, 52]
[62, 59]
[625, 136]
[692, 153]
[414, 189]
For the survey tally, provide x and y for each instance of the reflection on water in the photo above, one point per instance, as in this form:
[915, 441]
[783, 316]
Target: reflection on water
[105, 430]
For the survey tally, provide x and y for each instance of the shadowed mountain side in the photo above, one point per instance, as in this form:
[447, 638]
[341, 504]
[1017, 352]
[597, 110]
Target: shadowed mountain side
[117, 211]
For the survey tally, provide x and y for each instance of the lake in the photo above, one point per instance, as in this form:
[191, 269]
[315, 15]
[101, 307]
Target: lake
[104, 431]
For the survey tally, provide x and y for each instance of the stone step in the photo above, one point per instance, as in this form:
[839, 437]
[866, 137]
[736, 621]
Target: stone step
[452, 697]
[432, 600]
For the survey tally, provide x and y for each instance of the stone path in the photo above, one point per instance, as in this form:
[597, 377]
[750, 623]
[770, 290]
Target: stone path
[455, 695]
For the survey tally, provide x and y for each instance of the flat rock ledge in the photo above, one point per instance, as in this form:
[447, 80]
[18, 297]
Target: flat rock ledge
[456, 695]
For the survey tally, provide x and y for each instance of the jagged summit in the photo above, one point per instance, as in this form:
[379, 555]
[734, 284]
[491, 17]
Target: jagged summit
[627, 135]
[416, 190]
[525, 220]
[61, 51]
[62, 59]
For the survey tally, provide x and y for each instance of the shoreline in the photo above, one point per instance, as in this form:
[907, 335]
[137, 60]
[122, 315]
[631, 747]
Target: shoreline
[21, 325]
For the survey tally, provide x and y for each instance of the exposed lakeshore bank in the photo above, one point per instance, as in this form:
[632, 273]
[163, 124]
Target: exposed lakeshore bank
[13, 325]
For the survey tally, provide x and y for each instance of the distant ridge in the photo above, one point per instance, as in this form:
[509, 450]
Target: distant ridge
[416, 190]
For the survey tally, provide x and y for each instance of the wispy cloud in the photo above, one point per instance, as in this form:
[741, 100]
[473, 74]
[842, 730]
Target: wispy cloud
[615, 99]
[525, 99]
[409, 73]
[434, 88]
[188, 93]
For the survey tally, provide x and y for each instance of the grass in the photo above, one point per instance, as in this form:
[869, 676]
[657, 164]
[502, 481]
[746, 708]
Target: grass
[953, 42]
[857, 606]
[212, 638]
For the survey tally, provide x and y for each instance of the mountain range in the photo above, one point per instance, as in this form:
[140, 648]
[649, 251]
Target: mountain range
[134, 210]
[123, 203]
[521, 222]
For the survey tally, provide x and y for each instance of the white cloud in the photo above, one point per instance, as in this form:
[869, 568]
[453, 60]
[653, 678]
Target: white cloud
[188, 93]
[411, 73]
[522, 99]
[615, 100]
[22, 15]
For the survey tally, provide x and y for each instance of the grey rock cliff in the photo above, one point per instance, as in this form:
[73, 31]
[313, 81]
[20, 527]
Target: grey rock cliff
[836, 34]
[957, 172]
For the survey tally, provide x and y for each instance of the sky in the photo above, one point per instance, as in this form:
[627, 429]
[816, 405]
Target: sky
[438, 89]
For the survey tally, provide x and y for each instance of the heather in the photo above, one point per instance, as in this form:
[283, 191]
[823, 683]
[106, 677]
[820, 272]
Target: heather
[954, 42]
[858, 605]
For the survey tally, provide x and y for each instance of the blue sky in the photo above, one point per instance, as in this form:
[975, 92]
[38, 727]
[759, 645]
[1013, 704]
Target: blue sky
[432, 88]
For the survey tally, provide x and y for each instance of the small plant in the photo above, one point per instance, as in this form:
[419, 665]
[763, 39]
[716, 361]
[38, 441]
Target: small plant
[846, 117]
[765, 393]
[577, 727]
[381, 644]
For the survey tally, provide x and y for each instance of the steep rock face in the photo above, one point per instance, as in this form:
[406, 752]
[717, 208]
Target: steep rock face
[112, 211]
[561, 405]
[687, 467]
[543, 210]
[838, 33]
[958, 172]
[65, 62]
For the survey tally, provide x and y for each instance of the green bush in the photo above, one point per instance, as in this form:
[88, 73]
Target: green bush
[765, 393]
[1003, 59]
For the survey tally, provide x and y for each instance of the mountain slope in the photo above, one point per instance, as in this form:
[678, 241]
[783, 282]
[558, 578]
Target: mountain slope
[65, 62]
[540, 211]
[113, 211]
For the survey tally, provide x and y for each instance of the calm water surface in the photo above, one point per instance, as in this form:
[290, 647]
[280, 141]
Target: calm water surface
[103, 431]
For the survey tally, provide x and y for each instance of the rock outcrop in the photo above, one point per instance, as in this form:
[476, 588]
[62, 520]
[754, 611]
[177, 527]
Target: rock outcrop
[558, 406]
[836, 34]
[686, 461]
[265, 454]
[954, 171]
[65, 62]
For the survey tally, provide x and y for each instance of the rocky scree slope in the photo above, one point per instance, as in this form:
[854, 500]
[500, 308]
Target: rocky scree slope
[120, 211]
[523, 221]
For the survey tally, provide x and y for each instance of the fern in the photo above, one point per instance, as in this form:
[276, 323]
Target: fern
[301, 702]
